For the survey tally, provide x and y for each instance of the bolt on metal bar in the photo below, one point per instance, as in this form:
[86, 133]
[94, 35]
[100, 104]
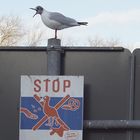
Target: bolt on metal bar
[112, 124]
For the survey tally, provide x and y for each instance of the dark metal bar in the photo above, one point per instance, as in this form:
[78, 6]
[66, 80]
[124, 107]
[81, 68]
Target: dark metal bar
[62, 48]
[23, 49]
[112, 124]
[131, 97]
[54, 57]
[93, 49]
[132, 82]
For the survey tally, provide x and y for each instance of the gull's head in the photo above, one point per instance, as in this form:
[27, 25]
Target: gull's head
[38, 10]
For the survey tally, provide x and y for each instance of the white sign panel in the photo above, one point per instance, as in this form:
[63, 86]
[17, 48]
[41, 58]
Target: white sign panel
[51, 108]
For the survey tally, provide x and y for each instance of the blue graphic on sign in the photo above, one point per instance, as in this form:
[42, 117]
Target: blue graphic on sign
[55, 113]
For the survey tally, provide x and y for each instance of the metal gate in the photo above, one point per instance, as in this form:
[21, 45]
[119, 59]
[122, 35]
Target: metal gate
[111, 91]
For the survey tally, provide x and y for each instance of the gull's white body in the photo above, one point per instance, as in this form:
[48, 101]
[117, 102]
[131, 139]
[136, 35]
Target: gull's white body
[51, 20]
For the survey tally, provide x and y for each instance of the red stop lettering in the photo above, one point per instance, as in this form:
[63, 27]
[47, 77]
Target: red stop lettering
[56, 85]
[67, 84]
[37, 87]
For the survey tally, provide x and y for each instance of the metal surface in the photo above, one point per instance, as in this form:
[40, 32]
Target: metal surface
[62, 48]
[54, 57]
[112, 124]
[107, 86]
[112, 77]
[13, 64]
[136, 97]
[107, 82]
[93, 49]
[131, 98]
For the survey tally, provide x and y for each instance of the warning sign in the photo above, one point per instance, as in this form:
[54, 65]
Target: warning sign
[51, 108]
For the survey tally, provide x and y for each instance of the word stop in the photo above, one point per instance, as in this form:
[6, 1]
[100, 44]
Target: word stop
[51, 85]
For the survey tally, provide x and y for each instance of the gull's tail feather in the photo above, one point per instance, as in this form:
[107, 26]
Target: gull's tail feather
[82, 23]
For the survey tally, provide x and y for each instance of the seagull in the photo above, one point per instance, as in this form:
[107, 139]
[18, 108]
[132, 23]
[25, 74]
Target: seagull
[55, 20]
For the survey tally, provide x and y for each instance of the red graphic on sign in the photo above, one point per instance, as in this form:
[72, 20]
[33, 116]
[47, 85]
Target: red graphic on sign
[73, 104]
[51, 112]
[28, 114]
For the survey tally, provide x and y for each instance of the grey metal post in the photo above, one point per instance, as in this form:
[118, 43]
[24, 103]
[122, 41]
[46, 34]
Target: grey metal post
[54, 57]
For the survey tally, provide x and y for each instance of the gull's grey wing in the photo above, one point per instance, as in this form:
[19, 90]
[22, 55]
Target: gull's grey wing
[63, 19]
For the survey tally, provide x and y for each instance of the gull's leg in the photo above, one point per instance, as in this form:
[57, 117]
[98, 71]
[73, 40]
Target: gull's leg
[55, 33]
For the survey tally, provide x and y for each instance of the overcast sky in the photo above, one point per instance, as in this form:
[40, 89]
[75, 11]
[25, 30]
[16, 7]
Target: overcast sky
[108, 19]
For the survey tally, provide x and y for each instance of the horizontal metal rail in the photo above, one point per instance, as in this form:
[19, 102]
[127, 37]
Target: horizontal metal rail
[112, 124]
[110, 49]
